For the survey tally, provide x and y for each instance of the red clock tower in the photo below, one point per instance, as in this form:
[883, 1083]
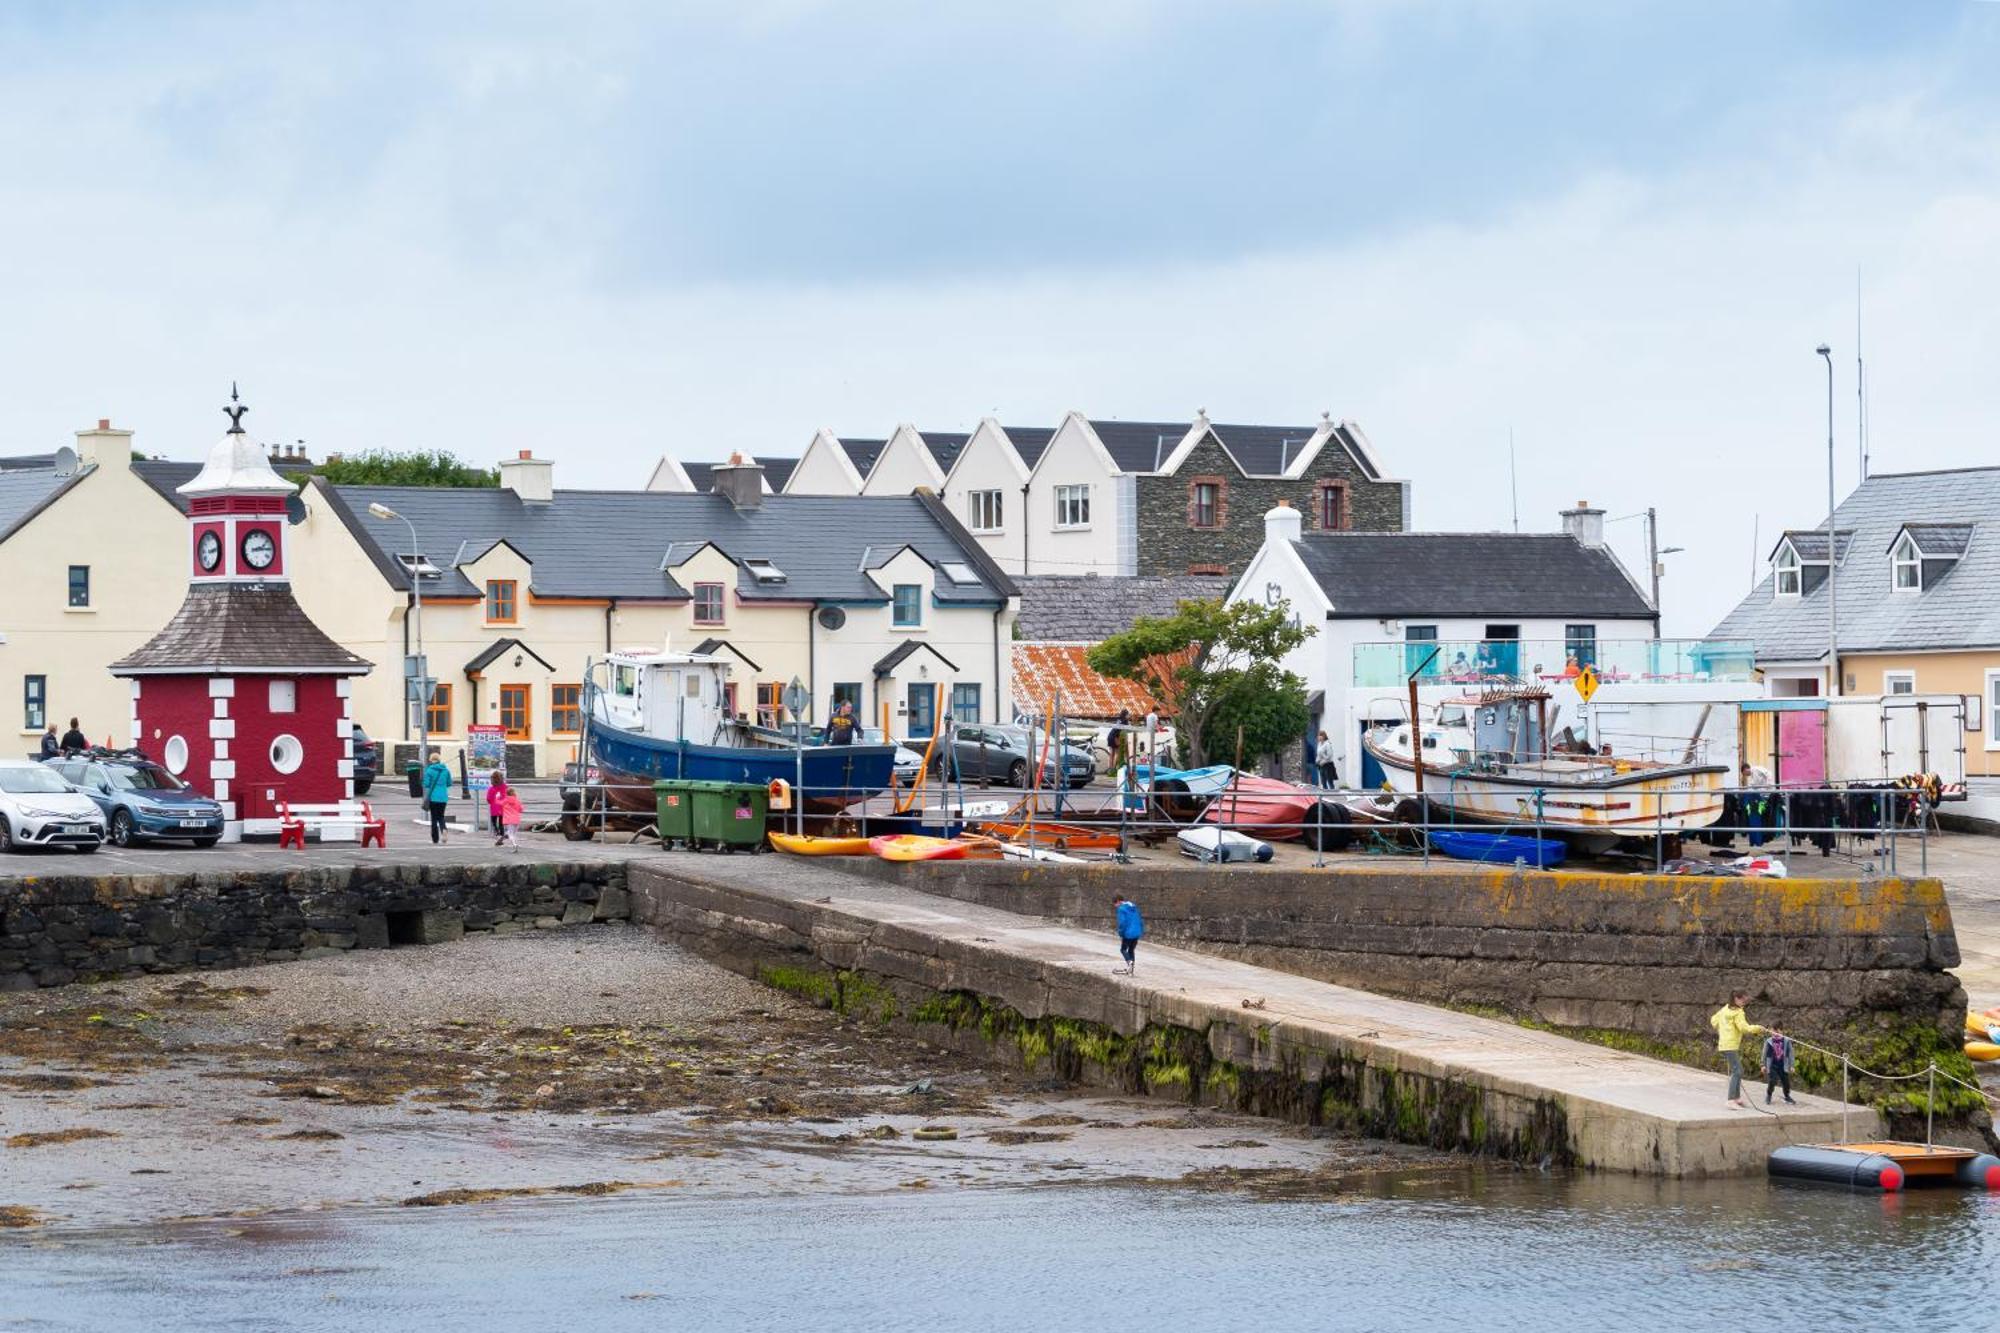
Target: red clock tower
[242, 695]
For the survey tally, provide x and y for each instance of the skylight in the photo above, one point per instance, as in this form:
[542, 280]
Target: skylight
[764, 571]
[959, 572]
[421, 565]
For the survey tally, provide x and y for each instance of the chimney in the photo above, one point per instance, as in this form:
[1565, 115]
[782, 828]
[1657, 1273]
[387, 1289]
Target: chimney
[1283, 524]
[741, 480]
[1584, 523]
[105, 447]
[531, 478]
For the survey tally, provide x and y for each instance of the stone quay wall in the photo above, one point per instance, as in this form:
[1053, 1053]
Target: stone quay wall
[56, 929]
[1853, 964]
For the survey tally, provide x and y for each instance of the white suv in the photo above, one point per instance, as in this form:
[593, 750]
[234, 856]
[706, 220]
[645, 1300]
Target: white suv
[39, 809]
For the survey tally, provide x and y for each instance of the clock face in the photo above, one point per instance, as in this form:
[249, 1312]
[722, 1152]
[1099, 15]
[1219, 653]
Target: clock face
[259, 550]
[209, 550]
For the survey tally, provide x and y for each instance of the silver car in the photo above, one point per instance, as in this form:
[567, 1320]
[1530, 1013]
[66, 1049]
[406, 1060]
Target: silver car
[39, 809]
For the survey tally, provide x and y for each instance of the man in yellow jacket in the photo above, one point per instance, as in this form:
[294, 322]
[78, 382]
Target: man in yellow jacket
[1731, 1027]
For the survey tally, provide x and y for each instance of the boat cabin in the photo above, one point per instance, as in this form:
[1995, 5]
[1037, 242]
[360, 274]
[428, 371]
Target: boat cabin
[669, 696]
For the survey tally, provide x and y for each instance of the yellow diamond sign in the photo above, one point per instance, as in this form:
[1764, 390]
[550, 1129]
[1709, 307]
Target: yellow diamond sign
[1586, 683]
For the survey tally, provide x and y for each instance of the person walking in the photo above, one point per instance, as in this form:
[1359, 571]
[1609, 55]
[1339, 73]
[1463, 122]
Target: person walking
[1329, 763]
[1312, 758]
[1130, 927]
[51, 747]
[1731, 1027]
[437, 791]
[1778, 1055]
[510, 817]
[496, 794]
[73, 740]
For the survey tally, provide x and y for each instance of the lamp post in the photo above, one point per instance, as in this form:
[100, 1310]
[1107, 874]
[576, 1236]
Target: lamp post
[383, 512]
[1832, 546]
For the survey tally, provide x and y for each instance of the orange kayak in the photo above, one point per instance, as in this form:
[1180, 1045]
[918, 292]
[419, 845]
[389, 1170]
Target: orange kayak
[811, 846]
[1062, 837]
[915, 847]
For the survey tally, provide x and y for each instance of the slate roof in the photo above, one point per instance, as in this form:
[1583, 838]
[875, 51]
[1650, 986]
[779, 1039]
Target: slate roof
[1492, 575]
[231, 627]
[1030, 442]
[777, 471]
[1140, 446]
[27, 491]
[896, 656]
[167, 475]
[1265, 451]
[1960, 609]
[26, 462]
[1934, 539]
[612, 543]
[709, 647]
[862, 453]
[1043, 670]
[499, 648]
[945, 447]
[1089, 608]
[1811, 543]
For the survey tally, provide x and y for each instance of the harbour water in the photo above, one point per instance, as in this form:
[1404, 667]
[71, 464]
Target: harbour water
[1509, 1250]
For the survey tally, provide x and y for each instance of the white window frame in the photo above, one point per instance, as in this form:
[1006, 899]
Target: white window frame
[1891, 679]
[986, 510]
[1992, 709]
[1788, 562]
[1906, 556]
[1075, 499]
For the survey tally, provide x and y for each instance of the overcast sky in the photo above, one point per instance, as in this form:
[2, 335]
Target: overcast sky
[604, 232]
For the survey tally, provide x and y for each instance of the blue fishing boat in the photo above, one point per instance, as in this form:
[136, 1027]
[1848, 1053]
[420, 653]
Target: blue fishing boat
[660, 716]
[1501, 848]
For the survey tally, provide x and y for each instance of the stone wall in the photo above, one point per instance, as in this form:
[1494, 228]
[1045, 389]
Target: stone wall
[1169, 545]
[1857, 965]
[56, 929]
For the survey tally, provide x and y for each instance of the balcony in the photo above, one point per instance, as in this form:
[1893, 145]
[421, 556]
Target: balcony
[1480, 662]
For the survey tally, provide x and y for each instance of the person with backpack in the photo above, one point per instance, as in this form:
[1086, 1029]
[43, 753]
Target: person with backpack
[1731, 1027]
[437, 793]
[1130, 927]
[1778, 1055]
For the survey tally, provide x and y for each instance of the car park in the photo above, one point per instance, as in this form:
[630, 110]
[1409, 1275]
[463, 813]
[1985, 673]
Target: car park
[990, 752]
[139, 801]
[38, 808]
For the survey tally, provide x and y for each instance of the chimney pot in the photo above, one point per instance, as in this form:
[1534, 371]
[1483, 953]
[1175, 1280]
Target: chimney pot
[527, 453]
[104, 423]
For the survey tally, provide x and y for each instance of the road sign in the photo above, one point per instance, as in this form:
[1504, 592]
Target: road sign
[1586, 683]
[795, 699]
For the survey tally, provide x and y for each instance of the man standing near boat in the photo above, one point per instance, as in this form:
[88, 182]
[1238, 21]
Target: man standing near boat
[840, 727]
[1731, 1027]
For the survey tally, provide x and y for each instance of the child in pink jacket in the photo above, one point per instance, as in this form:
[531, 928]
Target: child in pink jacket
[510, 816]
[495, 795]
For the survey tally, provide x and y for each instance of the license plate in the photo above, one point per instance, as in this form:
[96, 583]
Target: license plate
[194, 823]
[76, 828]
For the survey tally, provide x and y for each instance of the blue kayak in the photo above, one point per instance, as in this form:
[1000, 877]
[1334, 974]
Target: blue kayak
[1500, 848]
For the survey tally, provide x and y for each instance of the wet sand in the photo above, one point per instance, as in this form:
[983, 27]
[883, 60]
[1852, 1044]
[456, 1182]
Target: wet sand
[583, 1061]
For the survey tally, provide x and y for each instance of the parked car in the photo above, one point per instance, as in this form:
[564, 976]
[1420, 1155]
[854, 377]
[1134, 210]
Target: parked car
[908, 762]
[367, 761]
[39, 809]
[1003, 752]
[140, 801]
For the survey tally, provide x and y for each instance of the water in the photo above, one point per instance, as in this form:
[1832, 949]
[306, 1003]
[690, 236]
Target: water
[1509, 1251]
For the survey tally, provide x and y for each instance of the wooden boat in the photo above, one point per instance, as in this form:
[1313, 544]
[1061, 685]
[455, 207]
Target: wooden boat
[1487, 759]
[1267, 807]
[1498, 847]
[808, 845]
[916, 847]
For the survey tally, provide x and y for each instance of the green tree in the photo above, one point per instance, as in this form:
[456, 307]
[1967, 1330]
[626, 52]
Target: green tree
[416, 467]
[1217, 667]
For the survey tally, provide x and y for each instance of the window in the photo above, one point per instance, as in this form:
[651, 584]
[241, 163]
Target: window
[284, 696]
[768, 703]
[565, 709]
[176, 755]
[1205, 502]
[965, 703]
[848, 692]
[1993, 710]
[287, 754]
[79, 585]
[983, 510]
[500, 603]
[958, 572]
[764, 571]
[909, 611]
[1907, 567]
[1420, 643]
[1580, 644]
[729, 699]
[1899, 682]
[1333, 506]
[1787, 584]
[514, 712]
[708, 603]
[1072, 506]
[437, 717]
[34, 702]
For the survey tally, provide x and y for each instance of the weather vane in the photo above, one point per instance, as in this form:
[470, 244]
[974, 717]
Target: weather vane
[235, 411]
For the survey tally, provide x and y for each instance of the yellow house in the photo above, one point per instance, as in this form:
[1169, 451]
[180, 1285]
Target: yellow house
[885, 601]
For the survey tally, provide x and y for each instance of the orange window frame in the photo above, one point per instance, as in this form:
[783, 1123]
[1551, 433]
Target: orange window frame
[517, 711]
[437, 713]
[565, 709]
[503, 601]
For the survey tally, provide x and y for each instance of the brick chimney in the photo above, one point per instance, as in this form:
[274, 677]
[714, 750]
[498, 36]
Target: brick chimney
[741, 480]
[531, 478]
[1584, 523]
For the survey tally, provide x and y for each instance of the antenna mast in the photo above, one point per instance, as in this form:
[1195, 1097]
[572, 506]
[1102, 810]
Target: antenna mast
[1860, 382]
[1513, 489]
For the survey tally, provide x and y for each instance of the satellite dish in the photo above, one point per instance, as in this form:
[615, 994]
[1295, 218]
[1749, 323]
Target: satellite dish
[831, 617]
[295, 509]
[65, 462]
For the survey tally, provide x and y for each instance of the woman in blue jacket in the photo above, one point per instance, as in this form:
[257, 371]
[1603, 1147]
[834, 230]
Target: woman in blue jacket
[1130, 927]
[437, 791]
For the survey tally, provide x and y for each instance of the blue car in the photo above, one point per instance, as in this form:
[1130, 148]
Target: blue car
[142, 802]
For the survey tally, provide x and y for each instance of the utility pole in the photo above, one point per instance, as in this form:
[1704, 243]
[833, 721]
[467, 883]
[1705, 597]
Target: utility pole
[1653, 562]
[1832, 543]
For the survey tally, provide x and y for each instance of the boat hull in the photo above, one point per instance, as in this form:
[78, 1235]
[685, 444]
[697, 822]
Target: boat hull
[1267, 807]
[835, 776]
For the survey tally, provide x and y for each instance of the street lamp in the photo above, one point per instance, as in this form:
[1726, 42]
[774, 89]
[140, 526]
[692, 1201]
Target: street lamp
[1832, 548]
[382, 511]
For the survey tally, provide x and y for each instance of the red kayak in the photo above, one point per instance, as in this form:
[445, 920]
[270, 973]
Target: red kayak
[1271, 808]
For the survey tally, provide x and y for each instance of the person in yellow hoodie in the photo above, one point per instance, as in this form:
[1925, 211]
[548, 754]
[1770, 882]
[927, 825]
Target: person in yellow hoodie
[1731, 1027]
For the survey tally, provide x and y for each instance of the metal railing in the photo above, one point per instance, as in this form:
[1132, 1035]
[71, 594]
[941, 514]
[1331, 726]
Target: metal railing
[1478, 662]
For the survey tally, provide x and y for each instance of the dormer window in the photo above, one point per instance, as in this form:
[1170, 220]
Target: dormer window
[1907, 566]
[1788, 572]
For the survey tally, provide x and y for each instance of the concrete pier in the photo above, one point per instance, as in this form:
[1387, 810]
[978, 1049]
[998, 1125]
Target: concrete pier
[1214, 1030]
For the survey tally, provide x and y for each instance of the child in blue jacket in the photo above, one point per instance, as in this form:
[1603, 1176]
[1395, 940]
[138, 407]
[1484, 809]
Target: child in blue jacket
[1130, 927]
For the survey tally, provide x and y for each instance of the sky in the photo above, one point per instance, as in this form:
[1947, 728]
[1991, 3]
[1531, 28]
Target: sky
[604, 232]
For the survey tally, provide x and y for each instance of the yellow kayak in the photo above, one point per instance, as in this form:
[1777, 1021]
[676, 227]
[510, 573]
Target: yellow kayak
[1982, 1050]
[806, 845]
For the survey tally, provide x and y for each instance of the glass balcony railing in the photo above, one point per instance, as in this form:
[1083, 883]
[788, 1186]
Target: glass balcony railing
[1548, 661]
